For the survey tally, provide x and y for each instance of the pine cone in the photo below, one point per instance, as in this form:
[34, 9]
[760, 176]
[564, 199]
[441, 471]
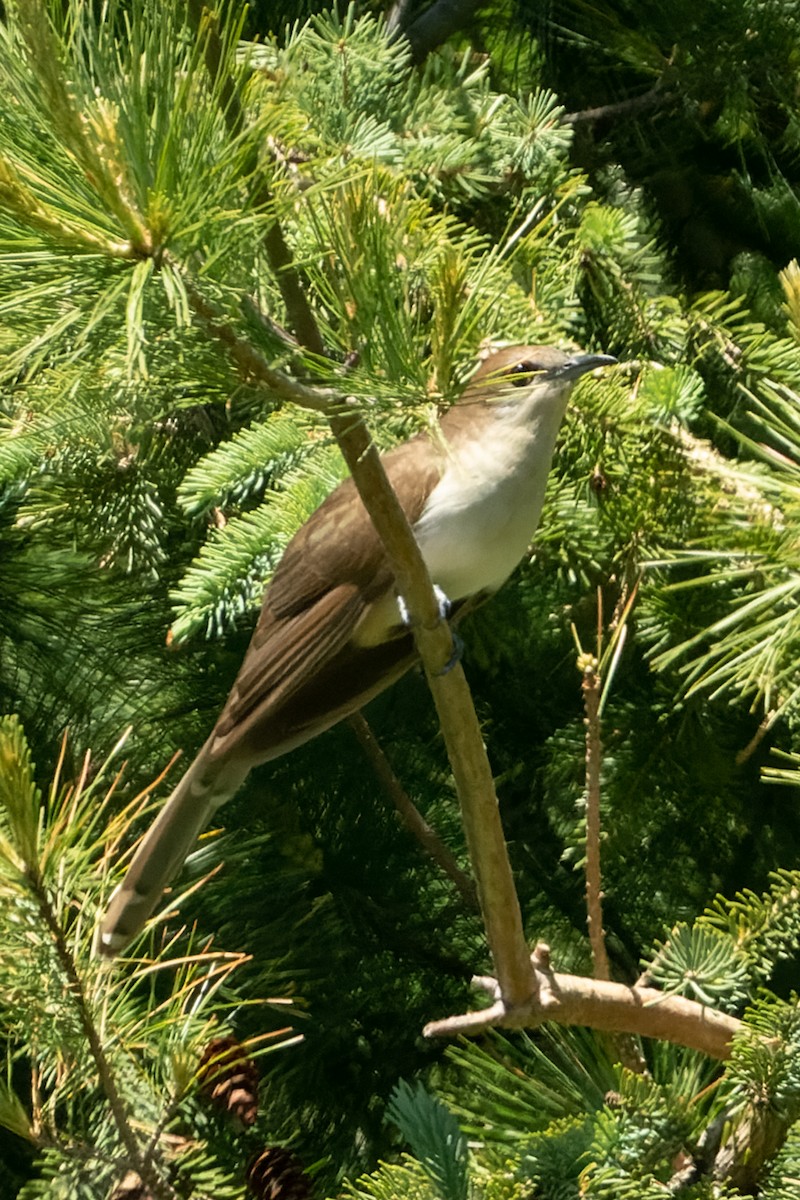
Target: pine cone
[131, 1188]
[229, 1078]
[275, 1174]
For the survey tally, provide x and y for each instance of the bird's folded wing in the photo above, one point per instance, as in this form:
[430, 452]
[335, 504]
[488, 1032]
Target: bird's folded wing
[338, 543]
[285, 654]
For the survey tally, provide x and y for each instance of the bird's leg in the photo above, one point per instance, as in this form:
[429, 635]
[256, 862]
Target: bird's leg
[445, 609]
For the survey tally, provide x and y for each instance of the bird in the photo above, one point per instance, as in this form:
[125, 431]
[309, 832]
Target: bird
[333, 631]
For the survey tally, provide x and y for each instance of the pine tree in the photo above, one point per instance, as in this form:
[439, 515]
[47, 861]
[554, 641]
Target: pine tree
[197, 229]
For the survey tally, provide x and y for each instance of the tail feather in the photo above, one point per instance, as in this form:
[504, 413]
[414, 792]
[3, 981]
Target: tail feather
[163, 849]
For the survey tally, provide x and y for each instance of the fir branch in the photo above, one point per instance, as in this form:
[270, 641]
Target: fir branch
[229, 574]
[239, 467]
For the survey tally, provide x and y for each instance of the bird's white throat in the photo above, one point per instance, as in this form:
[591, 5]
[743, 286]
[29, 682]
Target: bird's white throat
[479, 519]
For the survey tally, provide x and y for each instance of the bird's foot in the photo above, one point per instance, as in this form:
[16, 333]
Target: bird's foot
[455, 657]
[445, 607]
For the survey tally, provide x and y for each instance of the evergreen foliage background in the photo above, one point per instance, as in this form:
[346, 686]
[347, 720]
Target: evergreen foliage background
[621, 177]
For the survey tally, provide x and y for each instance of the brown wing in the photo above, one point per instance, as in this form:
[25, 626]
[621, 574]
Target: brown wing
[283, 655]
[331, 570]
[338, 544]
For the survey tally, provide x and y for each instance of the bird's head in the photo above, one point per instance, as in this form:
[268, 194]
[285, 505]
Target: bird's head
[508, 373]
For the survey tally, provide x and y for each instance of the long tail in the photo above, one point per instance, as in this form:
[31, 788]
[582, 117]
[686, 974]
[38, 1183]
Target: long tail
[162, 851]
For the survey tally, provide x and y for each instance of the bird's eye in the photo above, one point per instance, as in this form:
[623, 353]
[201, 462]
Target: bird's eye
[521, 373]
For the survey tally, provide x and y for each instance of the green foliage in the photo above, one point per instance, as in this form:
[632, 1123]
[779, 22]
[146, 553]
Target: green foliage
[505, 1088]
[148, 480]
[703, 964]
[763, 928]
[751, 649]
[407, 1180]
[110, 1055]
[781, 1180]
[229, 575]
[433, 1134]
[765, 1060]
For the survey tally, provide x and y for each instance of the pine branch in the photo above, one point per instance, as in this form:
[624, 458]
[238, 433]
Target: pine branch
[250, 362]
[278, 253]
[29, 849]
[119, 1111]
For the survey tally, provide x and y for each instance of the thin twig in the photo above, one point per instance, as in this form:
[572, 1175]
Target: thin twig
[656, 97]
[755, 741]
[412, 818]
[397, 14]
[594, 756]
[248, 359]
[301, 318]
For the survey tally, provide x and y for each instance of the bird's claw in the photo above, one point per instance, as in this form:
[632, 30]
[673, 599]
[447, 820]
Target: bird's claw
[455, 657]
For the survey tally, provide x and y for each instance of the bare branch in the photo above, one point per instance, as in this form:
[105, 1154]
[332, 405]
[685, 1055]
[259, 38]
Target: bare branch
[397, 15]
[765, 725]
[594, 755]
[457, 718]
[599, 1004]
[656, 97]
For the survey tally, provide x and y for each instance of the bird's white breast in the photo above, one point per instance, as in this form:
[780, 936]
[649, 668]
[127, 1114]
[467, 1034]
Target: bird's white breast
[480, 517]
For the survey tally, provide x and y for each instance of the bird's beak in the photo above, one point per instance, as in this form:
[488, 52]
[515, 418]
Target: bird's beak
[579, 364]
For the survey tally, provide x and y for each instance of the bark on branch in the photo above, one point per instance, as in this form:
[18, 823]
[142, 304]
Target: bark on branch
[594, 754]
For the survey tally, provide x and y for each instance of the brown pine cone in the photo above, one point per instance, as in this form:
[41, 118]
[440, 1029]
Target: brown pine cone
[275, 1174]
[229, 1078]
